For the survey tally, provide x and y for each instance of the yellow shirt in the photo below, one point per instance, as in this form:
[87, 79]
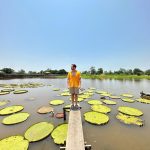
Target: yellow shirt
[74, 79]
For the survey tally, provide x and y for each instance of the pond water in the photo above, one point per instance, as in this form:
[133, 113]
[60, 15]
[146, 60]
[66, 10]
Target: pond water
[112, 136]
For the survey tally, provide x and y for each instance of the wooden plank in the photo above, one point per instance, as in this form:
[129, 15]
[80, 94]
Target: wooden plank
[75, 139]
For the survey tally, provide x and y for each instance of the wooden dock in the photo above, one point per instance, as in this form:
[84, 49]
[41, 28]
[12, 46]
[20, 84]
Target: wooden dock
[75, 139]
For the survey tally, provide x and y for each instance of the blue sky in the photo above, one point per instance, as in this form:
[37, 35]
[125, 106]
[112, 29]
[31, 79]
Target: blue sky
[41, 34]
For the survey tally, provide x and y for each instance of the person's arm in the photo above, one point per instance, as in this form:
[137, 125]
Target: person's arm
[79, 80]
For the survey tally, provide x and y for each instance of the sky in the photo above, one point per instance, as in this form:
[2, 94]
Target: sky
[40, 34]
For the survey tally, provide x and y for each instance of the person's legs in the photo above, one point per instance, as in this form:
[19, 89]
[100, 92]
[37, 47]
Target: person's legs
[76, 99]
[72, 98]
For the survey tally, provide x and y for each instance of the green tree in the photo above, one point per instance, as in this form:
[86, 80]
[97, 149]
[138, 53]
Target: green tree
[147, 72]
[92, 70]
[138, 72]
[100, 71]
[21, 72]
[7, 70]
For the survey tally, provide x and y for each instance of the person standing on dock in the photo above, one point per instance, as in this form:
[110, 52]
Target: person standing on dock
[74, 84]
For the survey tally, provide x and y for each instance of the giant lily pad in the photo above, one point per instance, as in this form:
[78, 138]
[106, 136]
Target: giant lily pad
[4, 93]
[15, 118]
[84, 96]
[4, 102]
[11, 109]
[114, 97]
[14, 143]
[127, 95]
[96, 117]
[128, 100]
[101, 92]
[146, 101]
[56, 89]
[7, 90]
[100, 108]
[56, 102]
[130, 111]
[38, 131]
[129, 119]
[45, 110]
[109, 102]
[94, 101]
[65, 94]
[20, 91]
[59, 134]
[105, 94]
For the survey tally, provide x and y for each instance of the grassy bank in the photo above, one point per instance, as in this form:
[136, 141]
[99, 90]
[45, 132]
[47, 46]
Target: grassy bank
[115, 76]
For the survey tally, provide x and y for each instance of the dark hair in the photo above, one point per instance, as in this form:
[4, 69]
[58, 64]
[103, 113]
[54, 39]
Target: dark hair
[74, 65]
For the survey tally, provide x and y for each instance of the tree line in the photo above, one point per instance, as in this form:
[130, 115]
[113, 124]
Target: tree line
[91, 71]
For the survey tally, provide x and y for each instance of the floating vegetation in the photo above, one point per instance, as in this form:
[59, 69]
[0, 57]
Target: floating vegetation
[109, 102]
[96, 118]
[4, 93]
[65, 94]
[11, 109]
[127, 95]
[55, 89]
[101, 92]
[129, 119]
[15, 118]
[45, 110]
[7, 90]
[59, 134]
[14, 143]
[59, 115]
[66, 90]
[100, 108]
[114, 97]
[84, 96]
[128, 100]
[68, 106]
[92, 102]
[56, 102]
[90, 91]
[92, 88]
[142, 100]
[20, 91]
[130, 111]
[38, 131]
[4, 102]
[25, 85]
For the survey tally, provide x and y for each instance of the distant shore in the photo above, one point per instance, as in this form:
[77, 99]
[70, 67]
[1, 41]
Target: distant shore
[84, 76]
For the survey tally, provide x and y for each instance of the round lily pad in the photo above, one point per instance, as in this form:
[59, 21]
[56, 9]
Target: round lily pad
[129, 100]
[142, 100]
[11, 109]
[56, 102]
[16, 118]
[129, 119]
[59, 134]
[45, 110]
[56, 89]
[4, 93]
[100, 108]
[7, 90]
[65, 94]
[4, 102]
[130, 111]
[20, 91]
[114, 97]
[38, 131]
[101, 92]
[14, 143]
[127, 95]
[84, 96]
[88, 93]
[105, 94]
[59, 115]
[109, 102]
[96, 118]
[92, 88]
[92, 102]
[68, 106]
